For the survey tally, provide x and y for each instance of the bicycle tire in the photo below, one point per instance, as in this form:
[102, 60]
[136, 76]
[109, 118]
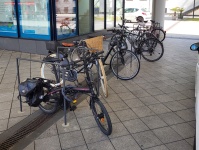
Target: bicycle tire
[123, 62]
[151, 49]
[50, 105]
[103, 79]
[101, 117]
[159, 34]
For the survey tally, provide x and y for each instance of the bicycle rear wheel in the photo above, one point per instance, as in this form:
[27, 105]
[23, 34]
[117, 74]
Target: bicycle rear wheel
[151, 49]
[159, 34]
[125, 64]
[101, 116]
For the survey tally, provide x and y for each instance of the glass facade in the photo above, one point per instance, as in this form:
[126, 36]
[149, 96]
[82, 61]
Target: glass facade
[85, 18]
[98, 15]
[8, 23]
[109, 14]
[66, 18]
[57, 19]
[34, 19]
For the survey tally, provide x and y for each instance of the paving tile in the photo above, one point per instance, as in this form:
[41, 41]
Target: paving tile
[51, 131]
[167, 135]
[184, 129]
[113, 98]
[3, 124]
[118, 106]
[50, 143]
[83, 112]
[174, 106]
[120, 89]
[154, 91]
[177, 96]
[87, 122]
[4, 114]
[164, 98]
[93, 135]
[114, 118]
[161, 147]
[134, 126]
[5, 105]
[82, 147]
[71, 139]
[146, 139]
[15, 112]
[171, 118]
[31, 146]
[127, 114]
[149, 100]
[143, 111]
[158, 83]
[72, 124]
[125, 143]
[188, 103]
[190, 141]
[118, 130]
[102, 145]
[13, 121]
[126, 96]
[146, 86]
[192, 123]
[140, 93]
[159, 108]
[179, 145]
[133, 87]
[167, 89]
[153, 122]
[135, 102]
[187, 115]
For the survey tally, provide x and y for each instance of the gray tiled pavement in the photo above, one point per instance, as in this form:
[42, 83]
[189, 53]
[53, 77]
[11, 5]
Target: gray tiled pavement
[154, 111]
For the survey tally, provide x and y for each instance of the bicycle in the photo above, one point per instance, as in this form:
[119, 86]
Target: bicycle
[56, 96]
[73, 51]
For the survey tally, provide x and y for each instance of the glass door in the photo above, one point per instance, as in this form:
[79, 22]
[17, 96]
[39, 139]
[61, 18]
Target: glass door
[98, 14]
[85, 16]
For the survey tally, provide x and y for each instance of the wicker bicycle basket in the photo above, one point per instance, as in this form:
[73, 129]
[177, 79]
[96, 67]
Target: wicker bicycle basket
[95, 44]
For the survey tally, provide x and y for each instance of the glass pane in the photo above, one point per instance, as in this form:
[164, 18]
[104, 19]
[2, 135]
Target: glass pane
[119, 11]
[109, 14]
[34, 17]
[66, 18]
[8, 24]
[84, 16]
[99, 14]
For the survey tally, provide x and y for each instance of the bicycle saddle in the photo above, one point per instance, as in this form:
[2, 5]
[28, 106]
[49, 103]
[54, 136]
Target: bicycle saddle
[51, 59]
[195, 47]
[68, 44]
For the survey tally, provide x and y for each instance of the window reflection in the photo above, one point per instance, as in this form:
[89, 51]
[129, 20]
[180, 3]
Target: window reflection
[8, 24]
[34, 19]
[66, 18]
[119, 11]
[99, 14]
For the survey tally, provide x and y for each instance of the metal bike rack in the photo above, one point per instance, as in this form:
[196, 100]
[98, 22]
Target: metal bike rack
[39, 61]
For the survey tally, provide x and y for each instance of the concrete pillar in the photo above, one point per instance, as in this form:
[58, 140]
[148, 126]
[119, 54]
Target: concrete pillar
[158, 11]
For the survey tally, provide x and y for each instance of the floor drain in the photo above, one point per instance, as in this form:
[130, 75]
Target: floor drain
[24, 131]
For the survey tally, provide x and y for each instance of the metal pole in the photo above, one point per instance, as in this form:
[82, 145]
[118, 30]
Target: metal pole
[19, 83]
[194, 3]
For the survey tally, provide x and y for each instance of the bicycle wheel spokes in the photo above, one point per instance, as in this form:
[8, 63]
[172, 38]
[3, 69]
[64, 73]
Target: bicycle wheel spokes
[101, 116]
[152, 49]
[125, 64]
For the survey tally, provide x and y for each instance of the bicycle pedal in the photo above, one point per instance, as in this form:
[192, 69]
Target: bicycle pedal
[72, 108]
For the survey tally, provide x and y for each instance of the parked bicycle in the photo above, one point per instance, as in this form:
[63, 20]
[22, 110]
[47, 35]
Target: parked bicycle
[40, 92]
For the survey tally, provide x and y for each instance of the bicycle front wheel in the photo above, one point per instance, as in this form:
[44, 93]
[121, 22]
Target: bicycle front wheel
[101, 116]
[49, 71]
[151, 49]
[125, 64]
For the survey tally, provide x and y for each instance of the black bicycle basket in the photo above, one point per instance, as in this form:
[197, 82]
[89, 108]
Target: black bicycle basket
[32, 90]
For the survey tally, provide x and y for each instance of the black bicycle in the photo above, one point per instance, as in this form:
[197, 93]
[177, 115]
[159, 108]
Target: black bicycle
[64, 96]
